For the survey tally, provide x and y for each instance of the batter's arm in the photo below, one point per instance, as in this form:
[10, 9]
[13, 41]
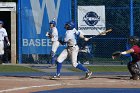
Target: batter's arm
[82, 36]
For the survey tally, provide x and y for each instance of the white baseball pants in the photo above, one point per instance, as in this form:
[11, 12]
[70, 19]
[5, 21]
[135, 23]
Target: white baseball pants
[71, 52]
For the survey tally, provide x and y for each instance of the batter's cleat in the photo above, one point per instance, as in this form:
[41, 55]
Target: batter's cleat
[88, 75]
[54, 77]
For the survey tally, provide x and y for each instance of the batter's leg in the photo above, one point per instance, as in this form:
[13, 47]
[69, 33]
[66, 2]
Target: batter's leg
[74, 54]
[60, 59]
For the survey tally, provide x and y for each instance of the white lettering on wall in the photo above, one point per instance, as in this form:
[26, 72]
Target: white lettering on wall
[38, 11]
[36, 42]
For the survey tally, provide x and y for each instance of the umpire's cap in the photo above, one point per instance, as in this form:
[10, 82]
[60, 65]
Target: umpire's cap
[53, 22]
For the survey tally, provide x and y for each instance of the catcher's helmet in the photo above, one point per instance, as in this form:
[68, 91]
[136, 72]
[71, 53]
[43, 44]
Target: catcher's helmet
[69, 25]
[134, 40]
[53, 22]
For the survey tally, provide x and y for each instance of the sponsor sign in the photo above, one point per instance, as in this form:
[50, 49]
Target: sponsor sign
[91, 19]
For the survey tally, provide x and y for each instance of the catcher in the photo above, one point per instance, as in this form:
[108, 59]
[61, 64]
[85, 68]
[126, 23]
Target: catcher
[134, 51]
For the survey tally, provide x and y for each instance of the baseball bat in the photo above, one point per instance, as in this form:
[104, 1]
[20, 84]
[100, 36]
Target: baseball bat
[102, 33]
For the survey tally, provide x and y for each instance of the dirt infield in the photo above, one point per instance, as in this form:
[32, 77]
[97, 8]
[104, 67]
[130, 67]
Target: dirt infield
[34, 84]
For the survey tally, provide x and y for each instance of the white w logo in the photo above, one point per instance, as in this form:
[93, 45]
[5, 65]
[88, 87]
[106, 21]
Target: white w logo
[38, 11]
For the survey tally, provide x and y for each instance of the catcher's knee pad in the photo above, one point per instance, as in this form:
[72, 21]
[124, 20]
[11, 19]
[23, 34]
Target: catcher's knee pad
[133, 68]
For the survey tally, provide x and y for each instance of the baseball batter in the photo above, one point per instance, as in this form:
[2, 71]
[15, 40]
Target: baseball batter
[53, 35]
[3, 34]
[134, 51]
[71, 50]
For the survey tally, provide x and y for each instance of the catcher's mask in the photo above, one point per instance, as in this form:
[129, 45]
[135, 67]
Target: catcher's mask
[134, 40]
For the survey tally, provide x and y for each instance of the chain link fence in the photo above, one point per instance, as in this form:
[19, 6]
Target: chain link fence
[117, 15]
[118, 19]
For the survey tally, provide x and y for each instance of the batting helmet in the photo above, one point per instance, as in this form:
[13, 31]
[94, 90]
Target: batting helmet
[53, 22]
[69, 25]
[1, 22]
[134, 40]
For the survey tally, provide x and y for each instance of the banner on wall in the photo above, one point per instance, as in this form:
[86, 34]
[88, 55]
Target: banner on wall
[35, 17]
[91, 19]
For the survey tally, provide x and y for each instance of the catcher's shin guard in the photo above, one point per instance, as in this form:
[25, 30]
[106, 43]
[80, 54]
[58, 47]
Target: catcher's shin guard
[133, 68]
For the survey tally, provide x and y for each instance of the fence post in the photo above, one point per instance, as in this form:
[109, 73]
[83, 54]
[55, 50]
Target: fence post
[19, 33]
[131, 19]
[75, 13]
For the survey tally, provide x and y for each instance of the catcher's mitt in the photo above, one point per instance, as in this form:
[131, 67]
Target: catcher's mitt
[116, 54]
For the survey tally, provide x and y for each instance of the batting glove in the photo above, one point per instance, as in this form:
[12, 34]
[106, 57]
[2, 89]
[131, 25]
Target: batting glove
[86, 39]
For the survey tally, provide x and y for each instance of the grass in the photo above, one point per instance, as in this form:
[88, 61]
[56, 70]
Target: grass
[16, 68]
[104, 69]
[13, 68]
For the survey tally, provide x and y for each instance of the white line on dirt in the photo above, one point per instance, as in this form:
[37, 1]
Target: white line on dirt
[59, 84]
[29, 87]
[19, 79]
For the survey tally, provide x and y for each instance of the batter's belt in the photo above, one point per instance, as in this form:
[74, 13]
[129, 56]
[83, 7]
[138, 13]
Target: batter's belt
[73, 45]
